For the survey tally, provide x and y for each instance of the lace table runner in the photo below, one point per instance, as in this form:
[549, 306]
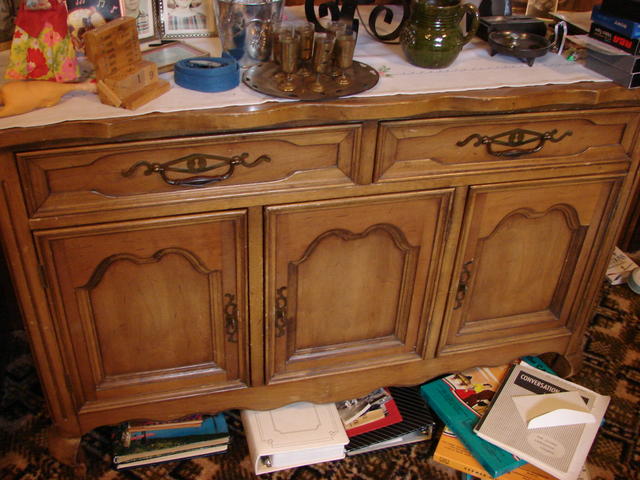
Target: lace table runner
[473, 69]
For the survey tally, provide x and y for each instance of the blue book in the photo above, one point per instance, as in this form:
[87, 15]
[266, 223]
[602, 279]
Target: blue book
[620, 25]
[210, 425]
[461, 399]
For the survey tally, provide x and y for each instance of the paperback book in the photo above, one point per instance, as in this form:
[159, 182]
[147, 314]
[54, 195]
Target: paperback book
[451, 452]
[208, 425]
[461, 399]
[619, 40]
[170, 457]
[545, 420]
[621, 25]
[189, 421]
[126, 450]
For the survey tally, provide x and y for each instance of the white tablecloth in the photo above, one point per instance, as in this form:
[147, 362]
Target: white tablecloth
[473, 69]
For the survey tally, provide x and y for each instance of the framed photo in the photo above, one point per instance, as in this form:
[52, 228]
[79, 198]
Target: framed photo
[186, 18]
[146, 17]
[541, 8]
[84, 15]
[166, 56]
[8, 12]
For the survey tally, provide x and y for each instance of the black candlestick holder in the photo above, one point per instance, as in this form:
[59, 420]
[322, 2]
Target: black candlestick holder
[344, 11]
[388, 18]
[340, 11]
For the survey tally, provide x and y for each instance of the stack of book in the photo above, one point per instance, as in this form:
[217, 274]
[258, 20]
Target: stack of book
[144, 443]
[304, 433]
[451, 451]
[387, 417]
[518, 422]
[615, 25]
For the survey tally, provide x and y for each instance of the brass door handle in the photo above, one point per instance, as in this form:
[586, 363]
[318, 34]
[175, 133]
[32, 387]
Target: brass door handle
[196, 163]
[231, 318]
[281, 316]
[463, 284]
[512, 139]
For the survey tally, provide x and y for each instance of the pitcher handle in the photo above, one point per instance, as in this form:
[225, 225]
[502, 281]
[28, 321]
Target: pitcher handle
[471, 10]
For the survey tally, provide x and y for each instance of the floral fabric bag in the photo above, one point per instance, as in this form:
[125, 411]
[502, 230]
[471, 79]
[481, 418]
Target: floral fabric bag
[41, 48]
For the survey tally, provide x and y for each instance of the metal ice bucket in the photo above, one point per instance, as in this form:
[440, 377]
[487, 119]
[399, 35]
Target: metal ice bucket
[245, 27]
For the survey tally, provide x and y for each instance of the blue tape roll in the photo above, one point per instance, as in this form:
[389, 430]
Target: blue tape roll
[207, 74]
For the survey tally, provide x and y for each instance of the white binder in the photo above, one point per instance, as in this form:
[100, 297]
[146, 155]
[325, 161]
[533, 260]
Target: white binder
[298, 434]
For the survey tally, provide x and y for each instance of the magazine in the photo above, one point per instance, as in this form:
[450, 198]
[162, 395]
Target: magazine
[546, 420]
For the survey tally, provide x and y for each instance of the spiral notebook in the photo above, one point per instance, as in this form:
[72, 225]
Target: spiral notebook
[418, 423]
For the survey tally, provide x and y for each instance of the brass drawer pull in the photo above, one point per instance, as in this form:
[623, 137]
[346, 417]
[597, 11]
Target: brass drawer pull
[512, 139]
[196, 163]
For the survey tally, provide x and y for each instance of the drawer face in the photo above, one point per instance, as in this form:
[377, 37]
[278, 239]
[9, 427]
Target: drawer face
[418, 148]
[97, 178]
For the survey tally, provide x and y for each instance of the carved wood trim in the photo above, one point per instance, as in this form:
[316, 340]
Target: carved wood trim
[85, 306]
[572, 220]
[104, 265]
[406, 291]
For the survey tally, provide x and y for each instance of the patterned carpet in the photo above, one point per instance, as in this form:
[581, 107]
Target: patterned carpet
[611, 366]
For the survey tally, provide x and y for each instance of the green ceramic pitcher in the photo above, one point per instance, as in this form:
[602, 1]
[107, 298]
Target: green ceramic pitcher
[432, 37]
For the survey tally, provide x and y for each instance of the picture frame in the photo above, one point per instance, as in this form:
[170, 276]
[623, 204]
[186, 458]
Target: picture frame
[8, 12]
[146, 15]
[186, 18]
[541, 8]
[84, 15]
[168, 54]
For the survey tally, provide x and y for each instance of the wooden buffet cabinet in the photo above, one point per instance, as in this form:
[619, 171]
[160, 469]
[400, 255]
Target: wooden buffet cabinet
[250, 257]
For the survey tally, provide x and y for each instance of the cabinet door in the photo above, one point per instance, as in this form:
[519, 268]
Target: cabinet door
[149, 307]
[350, 282]
[525, 256]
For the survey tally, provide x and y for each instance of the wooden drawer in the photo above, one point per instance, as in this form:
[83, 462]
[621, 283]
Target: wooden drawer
[417, 148]
[106, 177]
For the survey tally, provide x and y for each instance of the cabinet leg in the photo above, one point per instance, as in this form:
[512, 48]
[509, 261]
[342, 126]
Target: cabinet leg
[564, 365]
[574, 362]
[66, 449]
